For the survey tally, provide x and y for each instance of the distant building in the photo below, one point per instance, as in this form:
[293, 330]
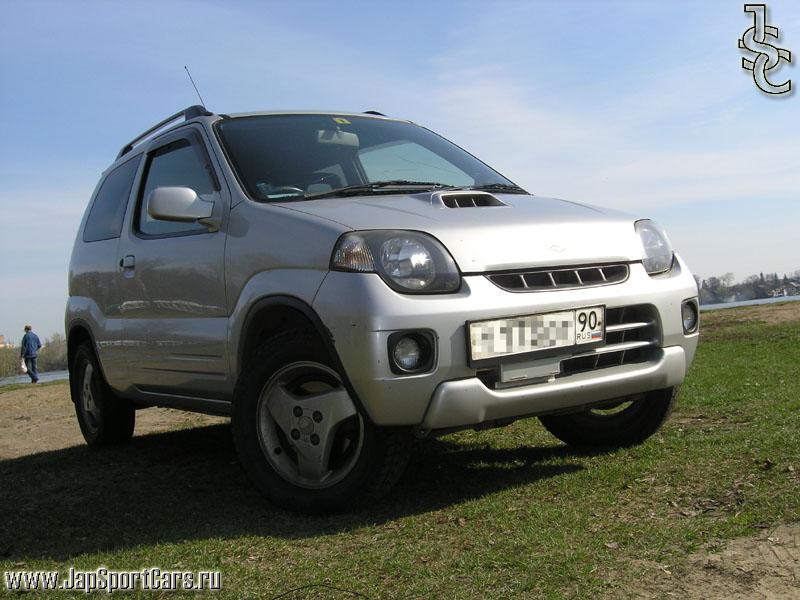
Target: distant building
[4, 344]
[789, 289]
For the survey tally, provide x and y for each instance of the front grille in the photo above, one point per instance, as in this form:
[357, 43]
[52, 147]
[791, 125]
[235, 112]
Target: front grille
[560, 279]
[632, 336]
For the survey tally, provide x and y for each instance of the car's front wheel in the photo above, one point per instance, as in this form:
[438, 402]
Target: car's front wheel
[302, 439]
[621, 422]
[103, 417]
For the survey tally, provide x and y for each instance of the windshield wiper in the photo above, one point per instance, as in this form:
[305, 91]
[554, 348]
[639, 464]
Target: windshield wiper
[364, 189]
[508, 188]
[371, 188]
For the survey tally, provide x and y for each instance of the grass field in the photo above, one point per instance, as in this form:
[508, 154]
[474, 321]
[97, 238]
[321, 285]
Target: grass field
[497, 514]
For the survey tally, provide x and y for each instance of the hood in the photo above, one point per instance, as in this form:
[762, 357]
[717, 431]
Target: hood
[522, 232]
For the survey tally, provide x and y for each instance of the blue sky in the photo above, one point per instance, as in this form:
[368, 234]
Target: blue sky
[641, 106]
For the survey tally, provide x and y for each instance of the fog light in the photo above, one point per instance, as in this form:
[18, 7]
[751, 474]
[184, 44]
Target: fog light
[407, 354]
[689, 316]
[411, 352]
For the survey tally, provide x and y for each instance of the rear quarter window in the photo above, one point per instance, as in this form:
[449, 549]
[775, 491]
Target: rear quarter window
[108, 210]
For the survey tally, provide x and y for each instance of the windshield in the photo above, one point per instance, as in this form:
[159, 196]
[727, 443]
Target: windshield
[279, 157]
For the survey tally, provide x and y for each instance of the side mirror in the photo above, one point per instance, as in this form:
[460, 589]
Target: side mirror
[181, 204]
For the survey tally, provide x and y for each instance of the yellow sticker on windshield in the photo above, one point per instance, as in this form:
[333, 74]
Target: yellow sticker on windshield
[341, 121]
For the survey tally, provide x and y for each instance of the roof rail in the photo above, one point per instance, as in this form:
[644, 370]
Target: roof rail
[187, 113]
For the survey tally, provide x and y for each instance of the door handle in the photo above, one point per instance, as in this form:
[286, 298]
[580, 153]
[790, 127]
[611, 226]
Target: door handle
[128, 262]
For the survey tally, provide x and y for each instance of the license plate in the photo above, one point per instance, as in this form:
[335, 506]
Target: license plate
[536, 333]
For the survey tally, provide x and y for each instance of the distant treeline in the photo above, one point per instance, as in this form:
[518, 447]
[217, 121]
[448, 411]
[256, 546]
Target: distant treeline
[714, 290]
[52, 356]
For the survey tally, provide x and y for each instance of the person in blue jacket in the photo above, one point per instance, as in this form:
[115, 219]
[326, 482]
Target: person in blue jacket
[29, 352]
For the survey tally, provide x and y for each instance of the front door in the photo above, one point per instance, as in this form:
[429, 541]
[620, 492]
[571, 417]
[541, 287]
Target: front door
[172, 279]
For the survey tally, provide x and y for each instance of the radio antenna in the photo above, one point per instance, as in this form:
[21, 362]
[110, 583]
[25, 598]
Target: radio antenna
[194, 86]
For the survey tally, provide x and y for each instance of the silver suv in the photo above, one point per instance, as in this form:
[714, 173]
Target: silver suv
[340, 284]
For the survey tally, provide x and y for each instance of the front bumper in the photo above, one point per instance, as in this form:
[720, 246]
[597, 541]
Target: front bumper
[469, 402]
[361, 312]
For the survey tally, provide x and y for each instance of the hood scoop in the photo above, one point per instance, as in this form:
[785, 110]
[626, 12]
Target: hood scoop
[465, 199]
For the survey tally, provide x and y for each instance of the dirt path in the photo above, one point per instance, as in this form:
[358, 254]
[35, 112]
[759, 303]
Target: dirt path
[765, 566]
[40, 418]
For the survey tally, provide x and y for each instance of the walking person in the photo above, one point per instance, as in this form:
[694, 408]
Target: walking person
[29, 352]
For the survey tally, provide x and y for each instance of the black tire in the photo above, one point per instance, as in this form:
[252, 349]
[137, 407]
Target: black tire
[630, 425]
[383, 456]
[108, 419]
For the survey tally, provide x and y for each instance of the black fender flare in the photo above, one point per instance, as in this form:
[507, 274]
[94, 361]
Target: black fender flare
[324, 334]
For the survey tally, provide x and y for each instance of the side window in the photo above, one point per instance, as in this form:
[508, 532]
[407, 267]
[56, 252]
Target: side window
[108, 210]
[177, 164]
[412, 162]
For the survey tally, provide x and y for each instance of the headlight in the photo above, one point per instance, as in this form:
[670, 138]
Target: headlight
[408, 261]
[658, 254]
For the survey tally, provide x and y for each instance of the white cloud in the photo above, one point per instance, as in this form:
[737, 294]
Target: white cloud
[596, 157]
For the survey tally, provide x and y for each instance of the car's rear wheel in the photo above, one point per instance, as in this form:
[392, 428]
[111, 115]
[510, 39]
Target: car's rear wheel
[103, 417]
[621, 422]
[302, 439]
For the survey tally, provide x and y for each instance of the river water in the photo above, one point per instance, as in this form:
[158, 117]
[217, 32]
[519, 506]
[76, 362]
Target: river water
[43, 377]
[777, 300]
